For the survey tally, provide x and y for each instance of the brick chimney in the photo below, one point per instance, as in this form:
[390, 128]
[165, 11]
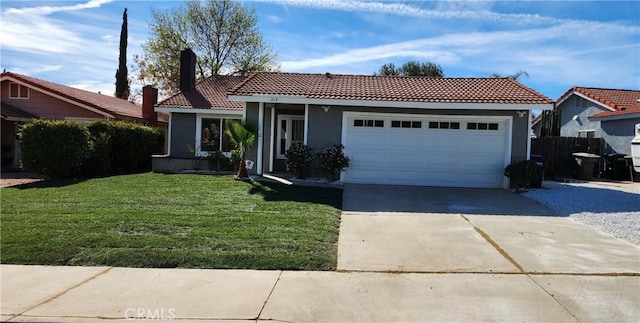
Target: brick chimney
[187, 70]
[149, 99]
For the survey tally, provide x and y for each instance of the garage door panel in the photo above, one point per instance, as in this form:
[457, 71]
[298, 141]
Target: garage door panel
[426, 156]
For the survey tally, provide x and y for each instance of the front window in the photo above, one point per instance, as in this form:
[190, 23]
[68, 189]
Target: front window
[212, 136]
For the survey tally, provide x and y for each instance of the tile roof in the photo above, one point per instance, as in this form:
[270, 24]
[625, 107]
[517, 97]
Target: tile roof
[623, 102]
[101, 102]
[208, 93]
[390, 88]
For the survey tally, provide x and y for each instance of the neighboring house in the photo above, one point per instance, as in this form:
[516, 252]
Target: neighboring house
[610, 114]
[397, 130]
[536, 126]
[26, 98]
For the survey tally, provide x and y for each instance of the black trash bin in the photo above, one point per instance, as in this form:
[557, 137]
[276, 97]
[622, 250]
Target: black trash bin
[616, 167]
[586, 164]
[541, 162]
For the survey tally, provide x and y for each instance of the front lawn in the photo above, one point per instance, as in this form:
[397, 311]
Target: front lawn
[157, 220]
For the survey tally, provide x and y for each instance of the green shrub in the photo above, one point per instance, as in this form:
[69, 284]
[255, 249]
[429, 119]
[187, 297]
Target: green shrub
[524, 174]
[54, 148]
[298, 157]
[68, 148]
[133, 145]
[100, 160]
[333, 161]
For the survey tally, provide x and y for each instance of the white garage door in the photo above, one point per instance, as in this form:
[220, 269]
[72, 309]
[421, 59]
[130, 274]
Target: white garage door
[467, 151]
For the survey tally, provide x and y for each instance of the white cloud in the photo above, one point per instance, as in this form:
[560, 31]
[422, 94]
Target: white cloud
[36, 69]
[46, 10]
[468, 10]
[274, 19]
[95, 86]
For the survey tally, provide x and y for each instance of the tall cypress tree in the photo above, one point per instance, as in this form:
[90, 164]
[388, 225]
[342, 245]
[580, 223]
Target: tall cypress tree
[122, 81]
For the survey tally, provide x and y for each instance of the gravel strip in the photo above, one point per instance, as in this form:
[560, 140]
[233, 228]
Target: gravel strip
[615, 210]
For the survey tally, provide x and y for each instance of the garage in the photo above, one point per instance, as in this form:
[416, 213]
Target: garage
[430, 150]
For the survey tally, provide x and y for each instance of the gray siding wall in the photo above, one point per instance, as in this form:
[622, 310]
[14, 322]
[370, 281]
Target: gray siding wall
[617, 134]
[183, 134]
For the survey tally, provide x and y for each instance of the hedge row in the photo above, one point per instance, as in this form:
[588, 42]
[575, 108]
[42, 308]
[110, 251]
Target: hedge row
[68, 148]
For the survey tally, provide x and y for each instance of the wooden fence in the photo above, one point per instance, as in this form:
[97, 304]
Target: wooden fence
[559, 150]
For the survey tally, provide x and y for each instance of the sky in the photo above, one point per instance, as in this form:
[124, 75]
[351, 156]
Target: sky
[560, 44]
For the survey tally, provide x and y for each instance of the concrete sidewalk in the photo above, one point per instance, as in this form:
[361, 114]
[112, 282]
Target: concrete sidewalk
[86, 294]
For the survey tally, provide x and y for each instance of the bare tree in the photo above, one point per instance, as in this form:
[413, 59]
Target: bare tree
[222, 33]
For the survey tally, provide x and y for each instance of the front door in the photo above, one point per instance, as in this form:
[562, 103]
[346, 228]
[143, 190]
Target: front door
[290, 130]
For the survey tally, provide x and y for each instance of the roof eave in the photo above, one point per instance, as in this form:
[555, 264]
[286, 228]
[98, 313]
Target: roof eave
[391, 104]
[203, 111]
[616, 117]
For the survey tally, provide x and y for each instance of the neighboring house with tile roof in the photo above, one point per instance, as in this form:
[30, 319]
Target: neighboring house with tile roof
[397, 130]
[610, 114]
[25, 98]
[536, 126]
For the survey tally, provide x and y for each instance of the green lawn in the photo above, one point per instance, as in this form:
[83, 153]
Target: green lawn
[158, 220]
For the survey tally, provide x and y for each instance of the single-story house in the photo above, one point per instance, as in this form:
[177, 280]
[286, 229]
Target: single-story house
[610, 114]
[396, 130]
[25, 98]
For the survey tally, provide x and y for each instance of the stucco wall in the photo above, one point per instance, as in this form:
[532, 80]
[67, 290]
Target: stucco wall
[617, 134]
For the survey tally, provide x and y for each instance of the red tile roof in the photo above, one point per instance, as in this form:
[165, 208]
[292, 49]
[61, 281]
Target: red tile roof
[390, 88]
[101, 102]
[623, 102]
[207, 94]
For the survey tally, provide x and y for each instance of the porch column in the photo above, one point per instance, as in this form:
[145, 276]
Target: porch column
[273, 134]
[529, 112]
[260, 137]
[306, 122]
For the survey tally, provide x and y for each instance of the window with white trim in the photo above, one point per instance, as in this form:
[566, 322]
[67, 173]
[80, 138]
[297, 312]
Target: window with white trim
[406, 124]
[18, 91]
[483, 126]
[444, 125]
[212, 136]
[368, 123]
[586, 133]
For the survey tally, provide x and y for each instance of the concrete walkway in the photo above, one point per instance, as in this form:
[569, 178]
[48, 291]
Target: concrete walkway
[87, 294]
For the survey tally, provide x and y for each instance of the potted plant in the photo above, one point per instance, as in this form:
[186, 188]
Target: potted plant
[298, 157]
[333, 161]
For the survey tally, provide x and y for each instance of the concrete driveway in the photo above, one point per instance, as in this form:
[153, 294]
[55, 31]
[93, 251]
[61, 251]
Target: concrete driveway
[450, 230]
[420, 199]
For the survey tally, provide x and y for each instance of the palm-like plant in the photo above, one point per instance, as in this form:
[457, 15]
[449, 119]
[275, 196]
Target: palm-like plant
[242, 138]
